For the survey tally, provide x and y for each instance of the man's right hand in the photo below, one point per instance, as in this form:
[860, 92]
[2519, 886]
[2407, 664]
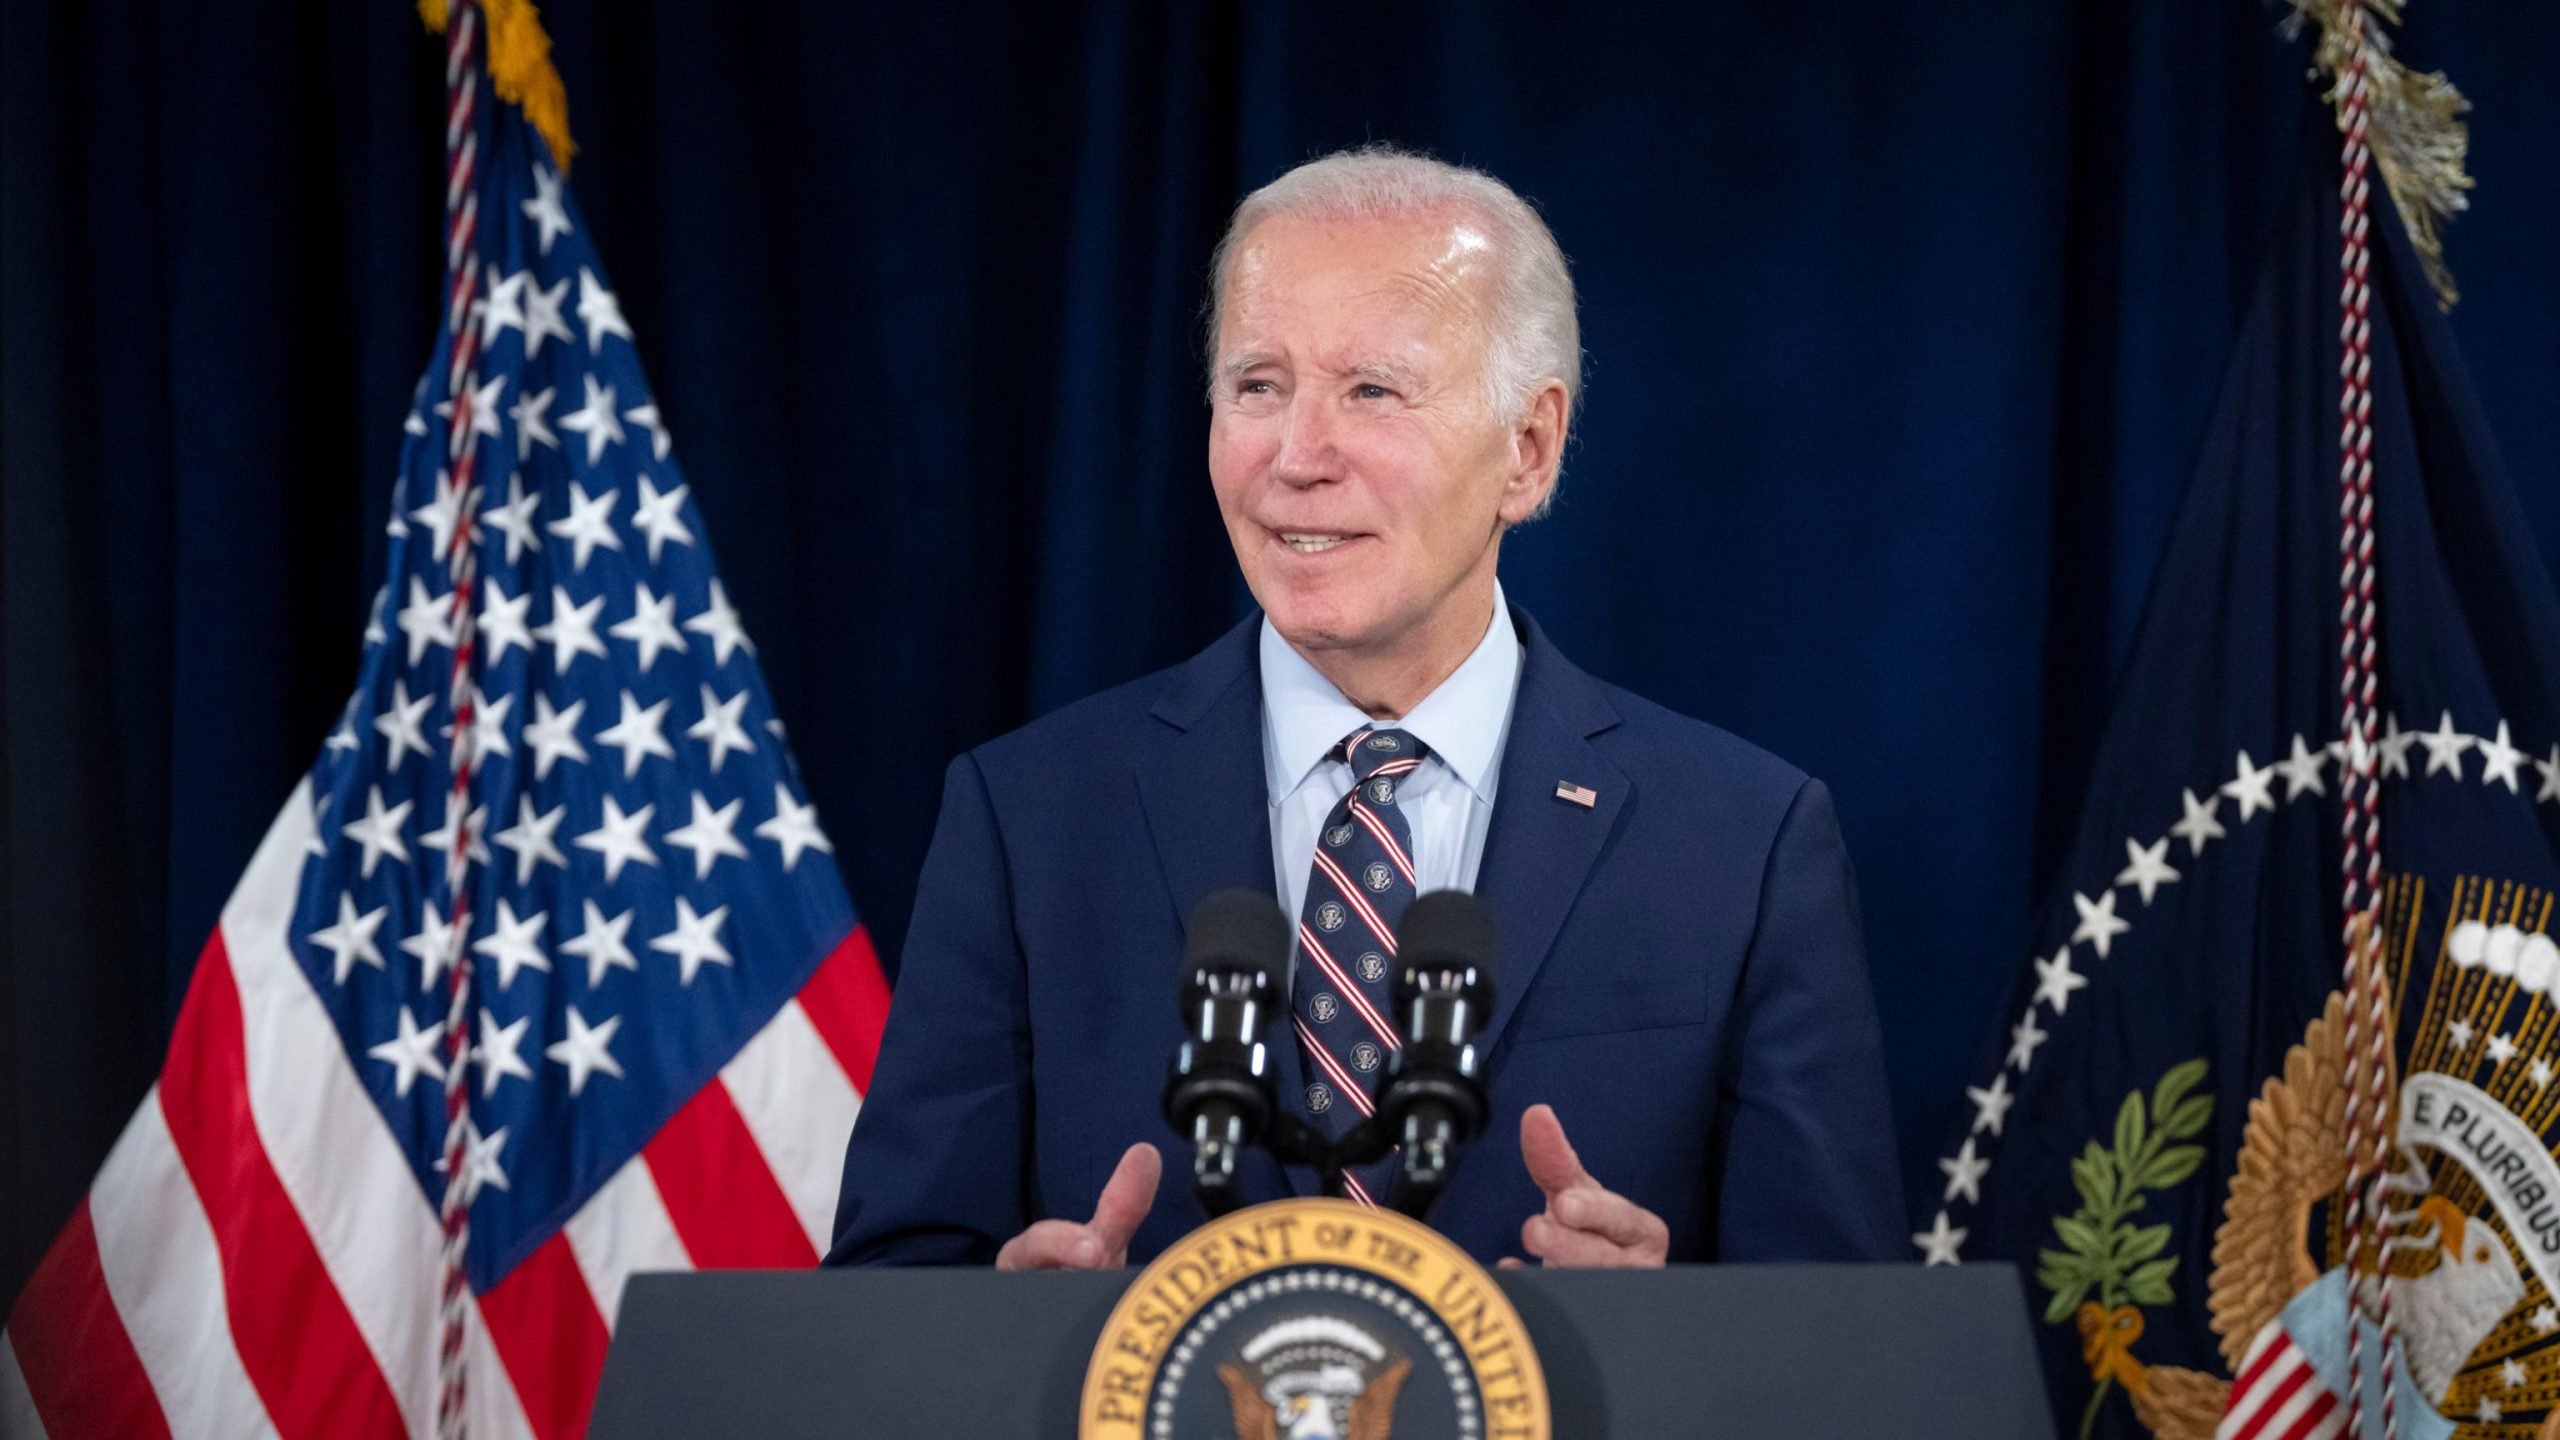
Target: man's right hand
[1103, 1242]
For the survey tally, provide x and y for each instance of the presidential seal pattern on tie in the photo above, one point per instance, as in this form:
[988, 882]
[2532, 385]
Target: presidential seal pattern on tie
[1361, 880]
[1313, 1318]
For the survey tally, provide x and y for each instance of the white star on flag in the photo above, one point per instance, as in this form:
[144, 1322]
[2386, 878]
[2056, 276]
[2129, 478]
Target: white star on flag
[2147, 867]
[2248, 786]
[542, 317]
[2444, 746]
[410, 1053]
[2302, 772]
[638, 734]
[440, 515]
[708, 834]
[2199, 826]
[496, 1053]
[433, 946]
[720, 622]
[2055, 980]
[601, 944]
[620, 838]
[426, 620]
[532, 412]
[476, 820]
[793, 827]
[503, 310]
[2502, 759]
[571, 631]
[515, 944]
[719, 727]
[2024, 1037]
[598, 309]
[1991, 1103]
[545, 209]
[584, 1050]
[646, 417]
[2099, 924]
[554, 734]
[530, 837]
[1964, 1171]
[379, 831]
[512, 518]
[1940, 1242]
[596, 421]
[350, 941]
[658, 517]
[588, 527]
[695, 941]
[652, 626]
[502, 623]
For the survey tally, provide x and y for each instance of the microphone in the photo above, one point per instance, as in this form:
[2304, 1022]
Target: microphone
[1433, 1100]
[1234, 975]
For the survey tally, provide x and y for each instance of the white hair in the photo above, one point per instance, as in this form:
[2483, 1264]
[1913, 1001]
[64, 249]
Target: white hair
[1532, 333]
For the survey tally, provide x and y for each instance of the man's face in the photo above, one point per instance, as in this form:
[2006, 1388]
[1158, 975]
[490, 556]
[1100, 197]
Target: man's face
[1364, 484]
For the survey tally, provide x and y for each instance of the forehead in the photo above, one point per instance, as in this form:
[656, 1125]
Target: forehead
[1299, 280]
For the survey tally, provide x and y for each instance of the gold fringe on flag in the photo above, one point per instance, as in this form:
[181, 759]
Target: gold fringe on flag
[520, 67]
[2415, 124]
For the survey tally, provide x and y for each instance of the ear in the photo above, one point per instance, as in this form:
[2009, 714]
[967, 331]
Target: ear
[1537, 452]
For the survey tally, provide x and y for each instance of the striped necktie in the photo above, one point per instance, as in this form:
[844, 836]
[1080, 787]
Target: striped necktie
[1362, 881]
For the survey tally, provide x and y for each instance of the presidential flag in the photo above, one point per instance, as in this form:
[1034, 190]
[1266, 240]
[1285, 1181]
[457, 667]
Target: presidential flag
[544, 975]
[2159, 1132]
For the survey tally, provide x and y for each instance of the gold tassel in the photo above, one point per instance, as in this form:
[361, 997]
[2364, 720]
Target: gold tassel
[520, 67]
[2413, 123]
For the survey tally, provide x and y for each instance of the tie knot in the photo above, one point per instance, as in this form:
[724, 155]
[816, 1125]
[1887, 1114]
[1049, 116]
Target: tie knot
[1374, 754]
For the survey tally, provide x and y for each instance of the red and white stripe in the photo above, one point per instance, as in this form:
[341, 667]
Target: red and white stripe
[256, 1257]
[1351, 994]
[1351, 1091]
[1386, 837]
[1358, 899]
[2278, 1395]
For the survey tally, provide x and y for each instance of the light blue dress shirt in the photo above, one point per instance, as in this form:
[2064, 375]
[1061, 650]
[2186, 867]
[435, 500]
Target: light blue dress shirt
[1448, 802]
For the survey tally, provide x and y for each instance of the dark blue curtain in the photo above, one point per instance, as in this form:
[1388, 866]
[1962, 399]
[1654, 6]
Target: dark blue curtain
[1903, 322]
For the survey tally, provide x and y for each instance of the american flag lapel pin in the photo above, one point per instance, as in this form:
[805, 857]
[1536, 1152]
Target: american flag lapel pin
[1582, 795]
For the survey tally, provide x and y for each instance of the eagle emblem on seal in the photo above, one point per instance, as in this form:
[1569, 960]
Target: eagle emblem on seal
[2471, 1210]
[1314, 1377]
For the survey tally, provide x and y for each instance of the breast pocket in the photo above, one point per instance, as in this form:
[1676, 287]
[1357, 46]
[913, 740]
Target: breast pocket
[1610, 1007]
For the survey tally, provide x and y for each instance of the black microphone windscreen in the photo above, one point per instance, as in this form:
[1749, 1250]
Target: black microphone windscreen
[1447, 928]
[1240, 929]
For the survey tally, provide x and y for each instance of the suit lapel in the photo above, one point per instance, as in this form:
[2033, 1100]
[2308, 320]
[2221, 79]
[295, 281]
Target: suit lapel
[1208, 807]
[1540, 848]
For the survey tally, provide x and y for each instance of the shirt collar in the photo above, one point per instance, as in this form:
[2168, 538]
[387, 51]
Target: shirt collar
[1462, 722]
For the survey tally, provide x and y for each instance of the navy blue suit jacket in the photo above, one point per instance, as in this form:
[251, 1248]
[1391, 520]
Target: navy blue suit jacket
[1681, 976]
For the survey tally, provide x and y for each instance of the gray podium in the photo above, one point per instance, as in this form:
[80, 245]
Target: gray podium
[1629, 1355]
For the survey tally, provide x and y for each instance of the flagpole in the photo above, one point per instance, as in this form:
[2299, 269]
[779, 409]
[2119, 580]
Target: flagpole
[463, 71]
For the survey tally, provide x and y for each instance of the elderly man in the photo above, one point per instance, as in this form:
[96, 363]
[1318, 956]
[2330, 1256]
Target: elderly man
[1393, 369]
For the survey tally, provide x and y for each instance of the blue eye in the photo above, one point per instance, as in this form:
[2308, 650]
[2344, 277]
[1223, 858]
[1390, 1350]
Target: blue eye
[1372, 392]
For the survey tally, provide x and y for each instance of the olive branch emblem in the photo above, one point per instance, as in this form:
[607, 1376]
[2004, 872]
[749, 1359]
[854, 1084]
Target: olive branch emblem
[2103, 1251]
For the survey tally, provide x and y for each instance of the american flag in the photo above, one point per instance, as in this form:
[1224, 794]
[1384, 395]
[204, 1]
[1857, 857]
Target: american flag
[670, 1009]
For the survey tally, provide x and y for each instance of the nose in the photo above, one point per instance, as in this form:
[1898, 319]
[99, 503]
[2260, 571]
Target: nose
[1307, 455]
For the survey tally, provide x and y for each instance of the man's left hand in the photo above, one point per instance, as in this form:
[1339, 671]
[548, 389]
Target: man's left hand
[1585, 1225]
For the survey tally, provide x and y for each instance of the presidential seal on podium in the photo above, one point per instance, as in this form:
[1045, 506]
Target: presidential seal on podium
[1314, 1318]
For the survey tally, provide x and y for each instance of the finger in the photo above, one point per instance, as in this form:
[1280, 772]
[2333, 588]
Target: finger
[1128, 1196]
[1510, 1262]
[1564, 1248]
[1552, 1163]
[1612, 1216]
[1053, 1245]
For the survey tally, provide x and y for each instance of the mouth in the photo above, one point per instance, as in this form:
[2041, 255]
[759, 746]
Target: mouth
[1312, 542]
